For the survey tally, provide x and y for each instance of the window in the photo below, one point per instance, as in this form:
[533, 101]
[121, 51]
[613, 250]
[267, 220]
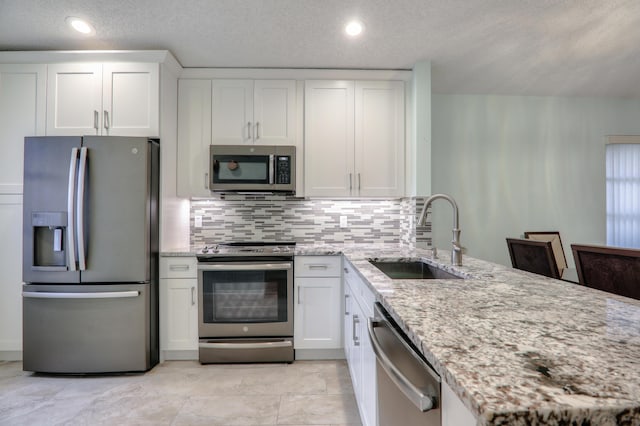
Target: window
[623, 191]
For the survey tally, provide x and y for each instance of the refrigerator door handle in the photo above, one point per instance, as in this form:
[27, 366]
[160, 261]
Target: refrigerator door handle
[80, 212]
[97, 295]
[71, 211]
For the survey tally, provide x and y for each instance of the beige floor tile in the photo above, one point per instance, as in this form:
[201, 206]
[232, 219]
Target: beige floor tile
[229, 411]
[318, 410]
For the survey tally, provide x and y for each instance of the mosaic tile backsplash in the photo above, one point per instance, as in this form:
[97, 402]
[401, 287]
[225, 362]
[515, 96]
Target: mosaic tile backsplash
[281, 218]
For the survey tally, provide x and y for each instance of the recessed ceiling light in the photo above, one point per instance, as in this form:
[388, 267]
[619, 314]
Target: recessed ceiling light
[354, 28]
[80, 25]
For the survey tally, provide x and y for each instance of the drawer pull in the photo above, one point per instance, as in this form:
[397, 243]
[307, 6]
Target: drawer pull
[178, 267]
[318, 266]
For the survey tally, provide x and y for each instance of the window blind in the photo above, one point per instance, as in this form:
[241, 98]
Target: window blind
[623, 194]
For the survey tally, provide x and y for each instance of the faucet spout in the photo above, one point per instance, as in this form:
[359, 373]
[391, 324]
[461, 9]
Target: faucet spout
[456, 251]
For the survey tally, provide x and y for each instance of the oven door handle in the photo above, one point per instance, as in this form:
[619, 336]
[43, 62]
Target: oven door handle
[252, 345]
[244, 266]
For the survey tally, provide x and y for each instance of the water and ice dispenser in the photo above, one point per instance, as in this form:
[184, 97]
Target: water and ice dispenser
[49, 240]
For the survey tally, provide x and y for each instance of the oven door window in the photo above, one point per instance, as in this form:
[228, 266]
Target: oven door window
[241, 169]
[244, 297]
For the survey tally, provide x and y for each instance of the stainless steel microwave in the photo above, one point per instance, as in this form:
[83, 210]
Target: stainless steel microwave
[252, 168]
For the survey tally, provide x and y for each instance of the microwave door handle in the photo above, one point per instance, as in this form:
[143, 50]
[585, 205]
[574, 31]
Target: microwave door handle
[272, 166]
[71, 209]
[80, 200]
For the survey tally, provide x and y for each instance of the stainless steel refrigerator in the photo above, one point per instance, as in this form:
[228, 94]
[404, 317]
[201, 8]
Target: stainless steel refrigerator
[90, 254]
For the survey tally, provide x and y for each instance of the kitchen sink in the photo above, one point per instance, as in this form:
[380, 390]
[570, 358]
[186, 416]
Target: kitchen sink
[412, 270]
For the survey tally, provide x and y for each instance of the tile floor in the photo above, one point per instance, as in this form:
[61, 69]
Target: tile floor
[183, 393]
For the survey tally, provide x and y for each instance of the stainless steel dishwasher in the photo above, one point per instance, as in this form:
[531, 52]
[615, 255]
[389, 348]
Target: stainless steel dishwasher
[408, 387]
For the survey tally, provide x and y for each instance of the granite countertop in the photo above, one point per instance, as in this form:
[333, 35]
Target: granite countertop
[517, 348]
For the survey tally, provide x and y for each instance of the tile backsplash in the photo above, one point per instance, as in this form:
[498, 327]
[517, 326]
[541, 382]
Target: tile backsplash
[281, 218]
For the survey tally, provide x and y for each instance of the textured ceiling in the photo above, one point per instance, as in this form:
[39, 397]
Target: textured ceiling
[534, 47]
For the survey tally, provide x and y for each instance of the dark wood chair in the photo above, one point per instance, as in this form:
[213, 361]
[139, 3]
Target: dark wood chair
[556, 245]
[533, 256]
[612, 269]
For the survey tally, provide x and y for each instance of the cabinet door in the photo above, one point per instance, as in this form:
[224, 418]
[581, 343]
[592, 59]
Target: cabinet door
[379, 138]
[232, 112]
[328, 132]
[74, 99]
[131, 99]
[274, 108]
[22, 113]
[179, 314]
[317, 315]
[369, 394]
[194, 138]
[11, 267]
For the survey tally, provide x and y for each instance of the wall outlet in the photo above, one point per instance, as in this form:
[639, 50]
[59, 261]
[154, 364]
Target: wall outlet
[343, 222]
[198, 221]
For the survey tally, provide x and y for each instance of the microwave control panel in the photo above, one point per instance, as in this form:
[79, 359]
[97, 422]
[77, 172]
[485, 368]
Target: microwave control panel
[283, 167]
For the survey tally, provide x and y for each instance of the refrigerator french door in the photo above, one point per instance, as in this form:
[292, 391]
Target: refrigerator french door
[90, 254]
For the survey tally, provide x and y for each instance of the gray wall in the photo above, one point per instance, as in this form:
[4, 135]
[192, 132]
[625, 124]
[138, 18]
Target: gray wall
[517, 163]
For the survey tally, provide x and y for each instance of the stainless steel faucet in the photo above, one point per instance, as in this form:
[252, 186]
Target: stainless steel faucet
[456, 252]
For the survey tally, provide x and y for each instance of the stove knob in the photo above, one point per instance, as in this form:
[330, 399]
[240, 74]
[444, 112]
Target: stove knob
[205, 249]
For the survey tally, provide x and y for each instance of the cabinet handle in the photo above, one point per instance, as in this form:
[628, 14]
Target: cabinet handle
[249, 130]
[95, 120]
[356, 339]
[318, 266]
[299, 301]
[346, 271]
[358, 181]
[346, 301]
[106, 119]
[350, 181]
[178, 267]
[193, 296]
[206, 181]
[257, 130]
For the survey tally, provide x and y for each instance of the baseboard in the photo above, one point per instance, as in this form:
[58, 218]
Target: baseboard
[179, 355]
[318, 354]
[10, 355]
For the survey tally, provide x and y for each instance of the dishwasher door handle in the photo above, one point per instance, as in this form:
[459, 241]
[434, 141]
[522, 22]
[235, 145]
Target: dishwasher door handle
[415, 395]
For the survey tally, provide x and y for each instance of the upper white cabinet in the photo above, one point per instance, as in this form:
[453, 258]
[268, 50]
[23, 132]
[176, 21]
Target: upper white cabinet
[194, 137]
[229, 112]
[114, 98]
[253, 111]
[22, 113]
[354, 138]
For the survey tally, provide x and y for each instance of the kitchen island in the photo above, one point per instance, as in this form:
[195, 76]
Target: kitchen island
[516, 348]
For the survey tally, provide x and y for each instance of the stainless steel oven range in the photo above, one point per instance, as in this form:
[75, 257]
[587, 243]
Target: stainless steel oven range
[245, 302]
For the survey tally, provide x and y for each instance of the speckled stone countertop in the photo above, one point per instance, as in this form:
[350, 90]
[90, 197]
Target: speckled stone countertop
[517, 348]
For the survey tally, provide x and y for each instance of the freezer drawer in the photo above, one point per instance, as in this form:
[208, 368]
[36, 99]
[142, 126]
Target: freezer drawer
[86, 328]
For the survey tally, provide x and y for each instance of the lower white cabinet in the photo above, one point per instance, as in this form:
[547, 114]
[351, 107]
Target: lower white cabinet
[317, 303]
[178, 308]
[358, 302]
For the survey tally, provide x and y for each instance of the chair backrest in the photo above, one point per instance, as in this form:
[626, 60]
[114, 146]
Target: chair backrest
[556, 245]
[612, 269]
[533, 256]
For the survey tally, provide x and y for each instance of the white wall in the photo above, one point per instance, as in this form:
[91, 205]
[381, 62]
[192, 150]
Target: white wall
[516, 163]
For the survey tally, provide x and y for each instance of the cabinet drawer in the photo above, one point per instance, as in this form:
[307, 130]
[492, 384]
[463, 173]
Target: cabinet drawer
[362, 293]
[318, 266]
[178, 267]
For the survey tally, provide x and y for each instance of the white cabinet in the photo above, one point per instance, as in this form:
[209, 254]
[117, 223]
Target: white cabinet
[359, 300]
[11, 277]
[229, 112]
[22, 113]
[354, 138]
[253, 111]
[178, 308]
[116, 99]
[194, 137]
[318, 302]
